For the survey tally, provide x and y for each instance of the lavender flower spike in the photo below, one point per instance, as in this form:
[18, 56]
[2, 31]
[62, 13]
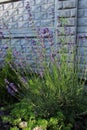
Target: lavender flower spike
[11, 88]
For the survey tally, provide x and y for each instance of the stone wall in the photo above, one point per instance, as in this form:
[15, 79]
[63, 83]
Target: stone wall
[68, 10]
[18, 30]
[82, 35]
[75, 11]
[14, 20]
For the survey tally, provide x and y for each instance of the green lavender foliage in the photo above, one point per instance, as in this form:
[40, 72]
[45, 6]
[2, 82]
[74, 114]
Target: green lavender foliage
[59, 90]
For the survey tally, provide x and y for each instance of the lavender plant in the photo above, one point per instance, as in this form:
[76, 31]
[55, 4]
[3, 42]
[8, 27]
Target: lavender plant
[52, 89]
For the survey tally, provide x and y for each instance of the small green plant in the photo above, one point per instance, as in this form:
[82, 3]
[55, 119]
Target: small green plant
[58, 123]
[14, 128]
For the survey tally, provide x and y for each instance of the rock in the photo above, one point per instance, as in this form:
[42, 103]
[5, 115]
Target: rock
[23, 124]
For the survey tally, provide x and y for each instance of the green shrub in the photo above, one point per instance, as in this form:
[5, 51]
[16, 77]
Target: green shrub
[43, 97]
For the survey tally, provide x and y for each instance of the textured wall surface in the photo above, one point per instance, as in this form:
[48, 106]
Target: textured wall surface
[18, 32]
[68, 10]
[82, 34]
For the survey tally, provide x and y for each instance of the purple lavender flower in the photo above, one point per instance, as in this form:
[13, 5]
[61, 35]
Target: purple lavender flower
[10, 91]
[5, 47]
[15, 53]
[33, 42]
[45, 32]
[28, 8]
[11, 88]
[28, 5]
